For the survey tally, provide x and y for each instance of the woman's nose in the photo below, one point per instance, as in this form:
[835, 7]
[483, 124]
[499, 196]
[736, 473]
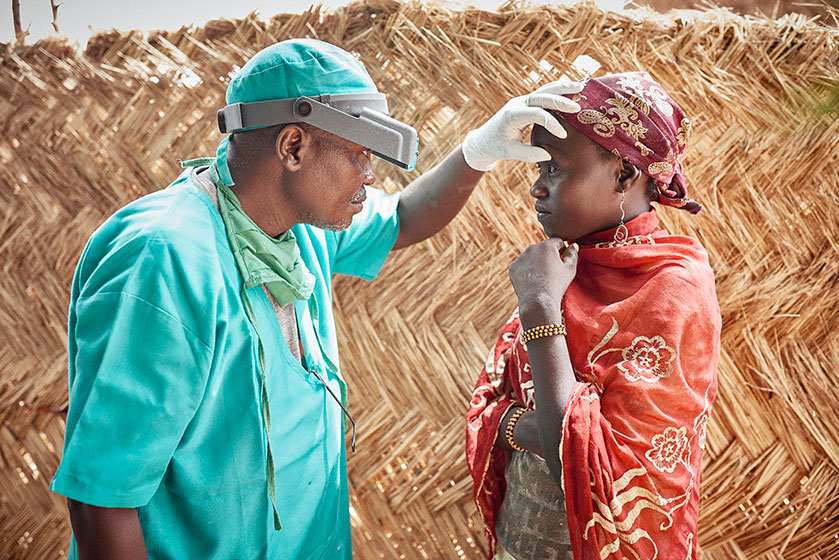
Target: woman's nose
[538, 190]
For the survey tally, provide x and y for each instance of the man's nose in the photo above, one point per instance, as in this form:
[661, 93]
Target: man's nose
[369, 176]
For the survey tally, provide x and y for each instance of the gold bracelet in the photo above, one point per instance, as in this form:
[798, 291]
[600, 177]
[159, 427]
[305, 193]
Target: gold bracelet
[542, 331]
[511, 424]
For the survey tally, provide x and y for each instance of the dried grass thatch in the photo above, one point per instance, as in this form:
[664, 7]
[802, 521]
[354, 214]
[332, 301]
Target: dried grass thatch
[86, 133]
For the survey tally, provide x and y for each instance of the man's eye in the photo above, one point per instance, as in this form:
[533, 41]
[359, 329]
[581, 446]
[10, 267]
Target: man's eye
[551, 169]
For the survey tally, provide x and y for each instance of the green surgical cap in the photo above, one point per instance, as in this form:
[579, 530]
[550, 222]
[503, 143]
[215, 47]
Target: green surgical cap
[294, 68]
[299, 67]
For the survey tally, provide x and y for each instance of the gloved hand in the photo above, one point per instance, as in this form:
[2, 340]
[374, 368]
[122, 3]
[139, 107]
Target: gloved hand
[501, 136]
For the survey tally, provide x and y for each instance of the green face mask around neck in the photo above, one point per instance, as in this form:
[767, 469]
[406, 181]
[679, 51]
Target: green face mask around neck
[261, 259]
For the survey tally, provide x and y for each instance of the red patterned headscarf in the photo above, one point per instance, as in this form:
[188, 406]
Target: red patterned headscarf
[631, 116]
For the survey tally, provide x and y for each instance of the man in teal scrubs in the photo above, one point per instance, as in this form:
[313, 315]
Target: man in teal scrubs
[206, 402]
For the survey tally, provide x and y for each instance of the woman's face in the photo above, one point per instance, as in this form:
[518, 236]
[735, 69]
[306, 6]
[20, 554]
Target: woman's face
[577, 190]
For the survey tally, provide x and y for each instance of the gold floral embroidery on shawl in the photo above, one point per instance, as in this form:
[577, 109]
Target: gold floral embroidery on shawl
[589, 378]
[602, 124]
[624, 113]
[642, 104]
[645, 151]
[577, 96]
[663, 168]
[529, 394]
[618, 517]
[646, 359]
[626, 116]
[660, 168]
[632, 492]
[669, 449]
[652, 95]
[495, 368]
[700, 424]
[634, 240]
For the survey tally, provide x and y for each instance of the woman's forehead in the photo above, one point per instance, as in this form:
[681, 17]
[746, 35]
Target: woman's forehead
[575, 142]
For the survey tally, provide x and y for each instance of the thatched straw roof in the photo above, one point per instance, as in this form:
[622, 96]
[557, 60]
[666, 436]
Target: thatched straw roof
[85, 133]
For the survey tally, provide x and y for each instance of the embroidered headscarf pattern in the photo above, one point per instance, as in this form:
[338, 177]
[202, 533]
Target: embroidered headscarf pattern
[631, 116]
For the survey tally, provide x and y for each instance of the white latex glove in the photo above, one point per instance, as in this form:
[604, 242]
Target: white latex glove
[501, 136]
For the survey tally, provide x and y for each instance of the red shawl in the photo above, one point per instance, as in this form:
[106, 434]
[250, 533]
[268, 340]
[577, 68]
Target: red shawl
[643, 335]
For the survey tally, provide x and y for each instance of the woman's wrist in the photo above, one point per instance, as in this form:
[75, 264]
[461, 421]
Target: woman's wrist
[531, 317]
[510, 427]
[540, 311]
[526, 433]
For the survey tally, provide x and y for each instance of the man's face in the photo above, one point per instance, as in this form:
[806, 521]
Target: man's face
[335, 181]
[576, 190]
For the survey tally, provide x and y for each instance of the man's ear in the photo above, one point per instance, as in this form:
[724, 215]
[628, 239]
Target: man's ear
[292, 142]
[628, 175]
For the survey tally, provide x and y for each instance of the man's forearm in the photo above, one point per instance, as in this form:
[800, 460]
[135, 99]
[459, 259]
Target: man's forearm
[434, 199]
[107, 533]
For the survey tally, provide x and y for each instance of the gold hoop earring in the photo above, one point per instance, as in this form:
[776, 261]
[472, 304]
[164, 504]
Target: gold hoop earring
[621, 233]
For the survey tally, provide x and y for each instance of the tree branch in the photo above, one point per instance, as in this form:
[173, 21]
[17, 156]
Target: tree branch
[55, 7]
[20, 34]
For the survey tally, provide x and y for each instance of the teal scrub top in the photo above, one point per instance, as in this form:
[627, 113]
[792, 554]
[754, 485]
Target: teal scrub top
[165, 387]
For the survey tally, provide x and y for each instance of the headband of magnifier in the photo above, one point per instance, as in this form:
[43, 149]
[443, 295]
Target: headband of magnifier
[358, 117]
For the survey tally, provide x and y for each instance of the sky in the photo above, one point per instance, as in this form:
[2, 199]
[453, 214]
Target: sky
[79, 19]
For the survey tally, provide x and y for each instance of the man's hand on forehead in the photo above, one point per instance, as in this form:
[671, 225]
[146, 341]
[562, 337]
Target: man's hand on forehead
[501, 136]
[552, 96]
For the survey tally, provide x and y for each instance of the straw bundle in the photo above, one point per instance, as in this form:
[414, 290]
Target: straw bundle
[86, 133]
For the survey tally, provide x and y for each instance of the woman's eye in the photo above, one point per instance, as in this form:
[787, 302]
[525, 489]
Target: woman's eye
[551, 169]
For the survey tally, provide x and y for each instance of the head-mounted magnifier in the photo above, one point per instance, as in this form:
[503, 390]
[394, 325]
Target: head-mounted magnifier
[358, 117]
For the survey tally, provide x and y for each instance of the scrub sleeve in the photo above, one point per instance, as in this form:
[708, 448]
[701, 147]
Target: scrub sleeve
[140, 369]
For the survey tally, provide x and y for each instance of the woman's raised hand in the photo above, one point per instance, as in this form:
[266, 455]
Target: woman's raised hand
[540, 276]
